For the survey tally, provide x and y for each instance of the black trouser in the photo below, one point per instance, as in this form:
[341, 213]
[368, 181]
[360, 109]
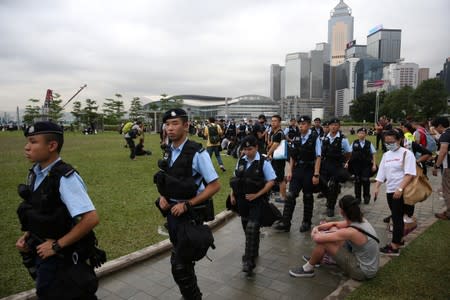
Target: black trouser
[183, 272]
[396, 206]
[302, 176]
[250, 212]
[362, 171]
[132, 147]
[331, 173]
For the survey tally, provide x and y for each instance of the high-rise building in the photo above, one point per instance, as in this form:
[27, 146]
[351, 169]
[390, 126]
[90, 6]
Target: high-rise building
[367, 72]
[355, 51]
[282, 83]
[403, 74]
[340, 32]
[318, 57]
[384, 44]
[297, 71]
[444, 75]
[275, 82]
[423, 74]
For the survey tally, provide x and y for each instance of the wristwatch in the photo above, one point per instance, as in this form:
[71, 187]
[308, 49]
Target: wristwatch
[316, 175]
[56, 247]
[400, 190]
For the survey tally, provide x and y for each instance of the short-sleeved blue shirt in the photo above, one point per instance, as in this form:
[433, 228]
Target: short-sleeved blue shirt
[318, 147]
[72, 190]
[345, 144]
[269, 173]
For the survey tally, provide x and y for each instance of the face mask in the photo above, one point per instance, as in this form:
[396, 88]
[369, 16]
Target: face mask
[392, 146]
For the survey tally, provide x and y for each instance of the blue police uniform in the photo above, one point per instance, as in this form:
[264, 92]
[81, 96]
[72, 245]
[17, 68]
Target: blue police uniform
[332, 170]
[251, 181]
[360, 164]
[305, 149]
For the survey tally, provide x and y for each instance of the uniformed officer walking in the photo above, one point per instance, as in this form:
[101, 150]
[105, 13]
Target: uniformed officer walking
[185, 167]
[254, 177]
[335, 154]
[57, 217]
[362, 163]
[303, 174]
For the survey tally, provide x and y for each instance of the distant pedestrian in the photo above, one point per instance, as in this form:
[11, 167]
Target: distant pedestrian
[441, 125]
[213, 132]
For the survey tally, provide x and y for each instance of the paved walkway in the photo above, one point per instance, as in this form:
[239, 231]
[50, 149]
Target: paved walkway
[222, 278]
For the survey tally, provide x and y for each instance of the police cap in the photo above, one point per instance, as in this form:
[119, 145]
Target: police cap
[173, 114]
[334, 120]
[325, 123]
[249, 141]
[362, 129]
[317, 119]
[304, 119]
[43, 127]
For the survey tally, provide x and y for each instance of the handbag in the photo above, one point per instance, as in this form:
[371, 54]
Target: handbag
[281, 153]
[269, 214]
[418, 189]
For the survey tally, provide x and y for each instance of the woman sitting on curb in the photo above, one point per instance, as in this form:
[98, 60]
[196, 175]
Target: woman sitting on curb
[352, 243]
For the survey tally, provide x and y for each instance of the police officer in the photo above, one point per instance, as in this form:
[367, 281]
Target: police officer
[254, 177]
[335, 154]
[291, 131]
[188, 165]
[57, 216]
[303, 174]
[362, 163]
[318, 128]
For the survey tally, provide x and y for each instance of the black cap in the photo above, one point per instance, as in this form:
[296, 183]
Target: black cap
[361, 129]
[249, 141]
[325, 123]
[304, 119]
[317, 119]
[334, 120]
[173, 114]
[43, 127]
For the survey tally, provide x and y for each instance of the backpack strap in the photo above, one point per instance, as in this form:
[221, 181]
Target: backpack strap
[366, 233]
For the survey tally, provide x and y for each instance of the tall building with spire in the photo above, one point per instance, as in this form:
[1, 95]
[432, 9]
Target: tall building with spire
[340, 32]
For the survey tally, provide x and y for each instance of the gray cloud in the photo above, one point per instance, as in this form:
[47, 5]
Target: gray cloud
[220, 48]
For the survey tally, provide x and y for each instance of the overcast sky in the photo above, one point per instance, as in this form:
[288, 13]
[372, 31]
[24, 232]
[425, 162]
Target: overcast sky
[216, 48]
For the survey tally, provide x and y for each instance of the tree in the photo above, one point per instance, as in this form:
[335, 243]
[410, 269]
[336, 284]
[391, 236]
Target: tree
[55, 111]
[136, 107]
[77, 113]
[90, 112]
[398, 104]
[32, 111]
[363, 107]
[113, 110]
[430, 99]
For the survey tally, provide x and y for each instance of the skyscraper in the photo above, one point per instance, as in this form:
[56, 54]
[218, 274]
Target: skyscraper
[275, 82]
[384, 44]
[340, 32]
[424, 74]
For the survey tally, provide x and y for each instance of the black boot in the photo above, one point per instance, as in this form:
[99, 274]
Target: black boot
[288, 211]
[332, 195]
[308, 207]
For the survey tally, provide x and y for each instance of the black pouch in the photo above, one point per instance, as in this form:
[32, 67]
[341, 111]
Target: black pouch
[193, 241]
[270, 214]
[205, 211]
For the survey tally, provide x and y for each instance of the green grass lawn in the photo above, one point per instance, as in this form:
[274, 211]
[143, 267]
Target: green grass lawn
[420, 272]
[122, 191]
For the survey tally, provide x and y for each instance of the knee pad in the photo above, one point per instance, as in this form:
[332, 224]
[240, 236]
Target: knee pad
[365, 179]
[357, 179]
[308, 197]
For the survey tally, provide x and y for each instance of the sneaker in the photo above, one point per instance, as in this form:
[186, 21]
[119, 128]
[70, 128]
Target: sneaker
[320, 195]
[367, 200]
[306, 258]
[389, 251]
[299, 272]
[222, 168]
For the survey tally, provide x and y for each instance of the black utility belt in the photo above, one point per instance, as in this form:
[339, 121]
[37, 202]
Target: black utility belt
[304, 163]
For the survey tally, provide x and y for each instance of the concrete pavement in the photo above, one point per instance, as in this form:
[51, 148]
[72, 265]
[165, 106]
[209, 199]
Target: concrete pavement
[222, 278]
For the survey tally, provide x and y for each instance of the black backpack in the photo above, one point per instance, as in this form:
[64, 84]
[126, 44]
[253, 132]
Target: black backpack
[213, 134]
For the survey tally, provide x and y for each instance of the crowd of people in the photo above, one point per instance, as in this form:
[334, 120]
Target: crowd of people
[308, 156]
